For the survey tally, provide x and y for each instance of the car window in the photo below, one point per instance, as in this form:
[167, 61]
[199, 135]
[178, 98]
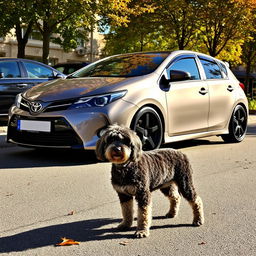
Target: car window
[71, 70]
[211, 69]
[37, 71]
[10, 69]
[224, 69]
[61, 69]
[187, 65]
[128, 65]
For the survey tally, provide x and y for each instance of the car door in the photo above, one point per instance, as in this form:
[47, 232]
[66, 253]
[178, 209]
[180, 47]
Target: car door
[221, 93]
[187, 101]
[11, 83]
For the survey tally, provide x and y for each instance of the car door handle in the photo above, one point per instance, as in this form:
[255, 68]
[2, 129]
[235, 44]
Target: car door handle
[203, 91]
[20, 86]
[230, 88]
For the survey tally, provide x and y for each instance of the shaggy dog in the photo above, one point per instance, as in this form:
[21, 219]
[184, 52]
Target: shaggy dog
[136, 174]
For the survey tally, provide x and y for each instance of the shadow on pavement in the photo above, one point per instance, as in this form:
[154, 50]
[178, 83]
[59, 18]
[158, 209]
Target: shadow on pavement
[251, 131]
[20, 157]
[82, 231]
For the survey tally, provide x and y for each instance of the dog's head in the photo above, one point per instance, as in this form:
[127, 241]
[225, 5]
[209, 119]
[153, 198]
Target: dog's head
[118, 144]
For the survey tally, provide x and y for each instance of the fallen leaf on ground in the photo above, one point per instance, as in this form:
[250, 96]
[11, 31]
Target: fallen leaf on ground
[67, 241]
[202, 243]
[71, 213]
[124, 243]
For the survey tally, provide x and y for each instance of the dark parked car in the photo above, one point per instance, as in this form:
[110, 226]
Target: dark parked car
[70, 67]
[18, 75]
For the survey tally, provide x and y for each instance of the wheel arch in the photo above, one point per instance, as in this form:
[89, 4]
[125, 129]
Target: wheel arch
[159, 112]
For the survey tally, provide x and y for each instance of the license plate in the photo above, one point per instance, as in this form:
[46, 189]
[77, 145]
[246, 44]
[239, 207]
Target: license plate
[31, 125]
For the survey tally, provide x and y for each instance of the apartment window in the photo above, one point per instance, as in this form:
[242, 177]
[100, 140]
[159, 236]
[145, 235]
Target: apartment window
[34, 35]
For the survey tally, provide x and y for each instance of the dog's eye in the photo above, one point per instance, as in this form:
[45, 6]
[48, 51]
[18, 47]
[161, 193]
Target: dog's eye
[127, 141]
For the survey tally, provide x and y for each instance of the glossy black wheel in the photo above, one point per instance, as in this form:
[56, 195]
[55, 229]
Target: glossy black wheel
[237, 125]
[148, 126]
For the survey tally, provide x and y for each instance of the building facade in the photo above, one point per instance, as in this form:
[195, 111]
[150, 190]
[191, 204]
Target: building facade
[89, 51]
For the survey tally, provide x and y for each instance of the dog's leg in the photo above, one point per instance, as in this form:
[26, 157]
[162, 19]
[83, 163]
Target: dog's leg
[174, 197]
[197, 206]
[144, 214]
[187, 190]
[127, 211]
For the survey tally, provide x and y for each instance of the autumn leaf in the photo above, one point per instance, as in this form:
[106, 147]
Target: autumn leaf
[71, 213]
[124, 243]
[67, 241]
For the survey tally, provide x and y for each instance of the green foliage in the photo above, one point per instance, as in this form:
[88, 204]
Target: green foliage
[223, 21]
[252, 103]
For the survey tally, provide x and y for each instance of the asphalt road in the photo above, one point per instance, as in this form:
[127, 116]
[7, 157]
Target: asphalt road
[48, 195]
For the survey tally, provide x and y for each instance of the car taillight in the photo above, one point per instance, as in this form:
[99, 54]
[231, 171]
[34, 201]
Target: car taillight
[242, 85]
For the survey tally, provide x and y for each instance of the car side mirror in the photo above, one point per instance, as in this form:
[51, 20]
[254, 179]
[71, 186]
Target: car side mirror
[1, 75]
[57, 75]
[178, 75]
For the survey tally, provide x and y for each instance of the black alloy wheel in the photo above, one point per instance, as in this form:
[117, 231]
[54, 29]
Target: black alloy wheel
[237, 125]
[148, 126]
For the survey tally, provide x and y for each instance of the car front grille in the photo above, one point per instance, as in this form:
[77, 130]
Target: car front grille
[61, 135]
[48, 107]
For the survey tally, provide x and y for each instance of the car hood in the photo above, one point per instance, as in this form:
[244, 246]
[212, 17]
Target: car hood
[73, 88]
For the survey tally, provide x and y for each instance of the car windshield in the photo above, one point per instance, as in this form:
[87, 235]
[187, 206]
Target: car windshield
[128, 65]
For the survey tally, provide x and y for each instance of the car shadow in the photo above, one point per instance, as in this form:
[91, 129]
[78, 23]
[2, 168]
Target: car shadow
[82, 231]
[251, 130]
[20, 157]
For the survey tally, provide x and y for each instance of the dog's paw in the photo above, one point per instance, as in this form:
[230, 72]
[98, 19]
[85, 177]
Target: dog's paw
[198, 222]
[170, 215]
[142, 233]
[124, 226]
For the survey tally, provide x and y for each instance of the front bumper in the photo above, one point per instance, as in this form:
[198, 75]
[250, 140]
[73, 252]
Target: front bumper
[76, 128]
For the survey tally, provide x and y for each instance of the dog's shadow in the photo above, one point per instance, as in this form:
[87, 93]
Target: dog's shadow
[82, 231]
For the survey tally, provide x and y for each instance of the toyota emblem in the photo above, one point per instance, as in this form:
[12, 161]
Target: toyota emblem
[36, 107]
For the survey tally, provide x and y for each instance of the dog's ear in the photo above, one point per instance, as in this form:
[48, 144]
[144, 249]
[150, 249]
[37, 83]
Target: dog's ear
[100, 148]
[136, 146]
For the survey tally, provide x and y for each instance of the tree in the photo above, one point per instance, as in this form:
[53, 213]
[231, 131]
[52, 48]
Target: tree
[18, 14]
[179, 19]
[223, 21]
[138, 35]
[249, 55]
[52, 15]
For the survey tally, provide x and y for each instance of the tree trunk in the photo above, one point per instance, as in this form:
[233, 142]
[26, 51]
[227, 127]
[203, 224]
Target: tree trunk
[46, 32]
[22, 39]
[247, 77]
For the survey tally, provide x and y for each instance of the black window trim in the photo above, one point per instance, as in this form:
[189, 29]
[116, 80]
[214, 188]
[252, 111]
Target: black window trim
[206, 58]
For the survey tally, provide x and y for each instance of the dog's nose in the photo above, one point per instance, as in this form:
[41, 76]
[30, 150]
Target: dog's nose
[117, 149]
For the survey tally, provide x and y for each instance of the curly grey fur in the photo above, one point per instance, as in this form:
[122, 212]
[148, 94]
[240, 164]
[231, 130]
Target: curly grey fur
[144, 172]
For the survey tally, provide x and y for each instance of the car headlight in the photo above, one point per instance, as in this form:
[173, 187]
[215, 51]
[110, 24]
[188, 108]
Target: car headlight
[98, 100]
[18, 100]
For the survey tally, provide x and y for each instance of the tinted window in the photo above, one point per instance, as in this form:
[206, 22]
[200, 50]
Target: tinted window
[37, 71]
[10, 69]
[187, 65]
[211, 69]
[224, 69]
[124, 65]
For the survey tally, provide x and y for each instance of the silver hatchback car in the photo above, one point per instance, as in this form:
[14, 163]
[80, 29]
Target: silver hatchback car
[163, 96]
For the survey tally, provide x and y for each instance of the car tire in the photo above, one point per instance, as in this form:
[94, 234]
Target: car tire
[148, 126]
[237, 125]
